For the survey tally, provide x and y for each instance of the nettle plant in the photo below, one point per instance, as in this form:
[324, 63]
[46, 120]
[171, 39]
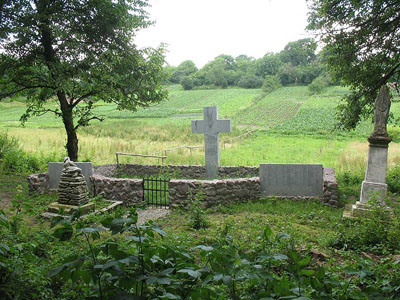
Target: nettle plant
[142, 266]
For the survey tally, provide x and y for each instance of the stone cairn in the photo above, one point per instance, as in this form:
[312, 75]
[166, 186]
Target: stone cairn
[72, 189]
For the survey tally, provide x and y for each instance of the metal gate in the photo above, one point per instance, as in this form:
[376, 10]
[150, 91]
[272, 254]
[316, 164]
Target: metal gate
[156, 191]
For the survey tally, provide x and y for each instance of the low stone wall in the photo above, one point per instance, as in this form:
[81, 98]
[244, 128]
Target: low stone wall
[219, 191]
[38, 183]
[213, 192]
[330, 188]
[175, 171]
[129, 191]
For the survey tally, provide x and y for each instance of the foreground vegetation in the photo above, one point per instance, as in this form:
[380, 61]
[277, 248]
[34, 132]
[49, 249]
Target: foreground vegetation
[264, 249]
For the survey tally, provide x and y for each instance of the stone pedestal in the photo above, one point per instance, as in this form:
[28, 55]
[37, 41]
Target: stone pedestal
[374, 186]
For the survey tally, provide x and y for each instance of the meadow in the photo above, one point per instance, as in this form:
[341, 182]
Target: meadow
[288, 126]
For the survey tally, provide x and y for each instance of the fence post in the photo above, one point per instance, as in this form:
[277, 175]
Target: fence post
[116, 154]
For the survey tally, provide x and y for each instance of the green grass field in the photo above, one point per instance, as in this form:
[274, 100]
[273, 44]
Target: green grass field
[291, 126]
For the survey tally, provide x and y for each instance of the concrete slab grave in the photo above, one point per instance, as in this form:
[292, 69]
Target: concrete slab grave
[292, 180]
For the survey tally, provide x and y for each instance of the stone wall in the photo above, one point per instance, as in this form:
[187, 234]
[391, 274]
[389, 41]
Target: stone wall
[330, 189]
[129, 191]
[175, 171]
[213, 192]
[38, 183]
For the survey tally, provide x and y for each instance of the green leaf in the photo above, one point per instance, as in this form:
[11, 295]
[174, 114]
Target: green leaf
[304, 262]
[64, 233]
[218, 277]
[169, 296]
[268, 233]
[55, 271]
[109, 264]
[192, 273]
[204, 248]
[307, 272]
[164, 280]
[4, 246]
[159, 231]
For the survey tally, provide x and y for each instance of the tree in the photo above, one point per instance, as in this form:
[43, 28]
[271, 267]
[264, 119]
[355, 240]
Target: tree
[67, 55]
[362, 48]
[268, 65]
[186, 68]
[299, 52]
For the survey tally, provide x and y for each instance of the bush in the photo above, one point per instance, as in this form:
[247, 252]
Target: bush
[393, 180]
[13, 159]
[319, 84]
[187, 83]
[271, 83]
[197, 218]
[250, 82]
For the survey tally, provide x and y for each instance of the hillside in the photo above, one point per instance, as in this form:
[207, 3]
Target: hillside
[291, 126]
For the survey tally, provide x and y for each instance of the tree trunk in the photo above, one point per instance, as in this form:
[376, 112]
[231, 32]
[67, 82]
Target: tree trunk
[68, 120]
[51, 60]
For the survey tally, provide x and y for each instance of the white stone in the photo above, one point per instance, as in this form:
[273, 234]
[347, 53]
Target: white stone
[292, 180]
[211, 127]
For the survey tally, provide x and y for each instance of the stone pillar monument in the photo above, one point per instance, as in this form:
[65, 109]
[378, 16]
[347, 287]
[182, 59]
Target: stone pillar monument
[374, 184]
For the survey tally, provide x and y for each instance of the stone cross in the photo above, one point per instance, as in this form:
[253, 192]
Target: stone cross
[211, 126]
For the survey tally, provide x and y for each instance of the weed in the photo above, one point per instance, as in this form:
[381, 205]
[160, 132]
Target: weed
[197, 219]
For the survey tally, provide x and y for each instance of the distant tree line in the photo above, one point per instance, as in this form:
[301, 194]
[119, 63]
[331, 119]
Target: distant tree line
[297, 64]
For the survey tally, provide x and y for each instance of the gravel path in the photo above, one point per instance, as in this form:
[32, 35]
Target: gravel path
[151, 213]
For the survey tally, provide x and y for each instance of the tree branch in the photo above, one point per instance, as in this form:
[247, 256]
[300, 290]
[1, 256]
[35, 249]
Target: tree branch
[88, 120]
[77, 101]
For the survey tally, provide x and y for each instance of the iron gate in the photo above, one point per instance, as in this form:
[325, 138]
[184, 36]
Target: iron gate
[156, 191]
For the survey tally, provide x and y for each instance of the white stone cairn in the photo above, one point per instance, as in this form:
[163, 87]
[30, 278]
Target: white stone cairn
[374, 185]
[211, 127]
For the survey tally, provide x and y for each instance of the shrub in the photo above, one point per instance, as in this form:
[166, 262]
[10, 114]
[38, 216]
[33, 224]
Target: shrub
[271, 83]
[13, 159]
[393, 180]
[318, 85]
[250, 82]
[197, 218]
[187, 83]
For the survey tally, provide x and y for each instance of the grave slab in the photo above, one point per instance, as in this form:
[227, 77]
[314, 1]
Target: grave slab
[292, 180]
[55, 169]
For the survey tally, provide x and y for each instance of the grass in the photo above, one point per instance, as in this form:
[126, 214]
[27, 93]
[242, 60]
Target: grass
[293, 127]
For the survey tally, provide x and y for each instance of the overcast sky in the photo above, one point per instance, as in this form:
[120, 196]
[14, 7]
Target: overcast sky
[200, 30]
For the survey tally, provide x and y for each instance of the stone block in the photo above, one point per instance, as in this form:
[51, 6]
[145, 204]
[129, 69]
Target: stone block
[376, 165]
[55, 169]
[70, 209]
[371, 190]
[292, 180]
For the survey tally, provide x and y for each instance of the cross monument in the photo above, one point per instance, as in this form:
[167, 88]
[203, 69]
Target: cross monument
[211, 126]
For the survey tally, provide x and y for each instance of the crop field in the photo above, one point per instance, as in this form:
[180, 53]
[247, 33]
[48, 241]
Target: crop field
[291, 126]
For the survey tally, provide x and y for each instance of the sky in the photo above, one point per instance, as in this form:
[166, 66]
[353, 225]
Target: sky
[200, 30]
